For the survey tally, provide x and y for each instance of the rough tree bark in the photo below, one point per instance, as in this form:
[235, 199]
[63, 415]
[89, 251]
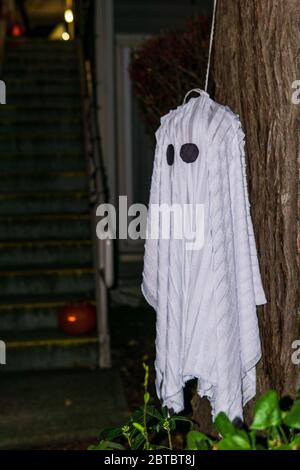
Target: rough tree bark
[256, 60]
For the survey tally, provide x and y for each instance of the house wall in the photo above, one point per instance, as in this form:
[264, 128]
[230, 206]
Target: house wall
[151, 16]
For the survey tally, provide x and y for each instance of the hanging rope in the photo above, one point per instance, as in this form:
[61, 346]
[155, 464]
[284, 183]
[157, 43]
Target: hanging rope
[211, 44]
[212, 32]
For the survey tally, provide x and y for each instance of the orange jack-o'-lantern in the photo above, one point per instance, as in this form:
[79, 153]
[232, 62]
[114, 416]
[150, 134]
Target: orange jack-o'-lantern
[17, 30]
[77, 319]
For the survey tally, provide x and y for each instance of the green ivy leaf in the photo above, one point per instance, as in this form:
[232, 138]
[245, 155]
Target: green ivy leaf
[292, 418]
[224, 426]
[170, 423]
[198, 441]
[267, 411]
[154, 413]
[295, 443]
[237, 441]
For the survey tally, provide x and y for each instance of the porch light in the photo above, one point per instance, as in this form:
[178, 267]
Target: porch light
[65, 36]
[69, 17]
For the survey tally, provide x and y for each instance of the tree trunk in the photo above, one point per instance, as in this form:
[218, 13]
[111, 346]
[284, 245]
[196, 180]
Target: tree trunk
[256, 60]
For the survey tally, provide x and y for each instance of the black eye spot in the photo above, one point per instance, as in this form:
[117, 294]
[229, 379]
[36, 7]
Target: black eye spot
[189, 153]
[170, 154]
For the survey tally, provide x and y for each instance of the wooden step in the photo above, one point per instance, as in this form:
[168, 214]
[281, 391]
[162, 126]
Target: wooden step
[49, 349]
[51, 161]
[52, 202]
[50, 181]
[69, 281]
[45, 254]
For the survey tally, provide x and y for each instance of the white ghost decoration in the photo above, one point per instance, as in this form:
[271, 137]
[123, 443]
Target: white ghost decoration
[205, 299]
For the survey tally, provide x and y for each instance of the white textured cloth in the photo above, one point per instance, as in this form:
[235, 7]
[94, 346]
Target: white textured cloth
[205, 299]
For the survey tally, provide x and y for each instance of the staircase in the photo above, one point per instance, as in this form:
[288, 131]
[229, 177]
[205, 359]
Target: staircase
[45, 237]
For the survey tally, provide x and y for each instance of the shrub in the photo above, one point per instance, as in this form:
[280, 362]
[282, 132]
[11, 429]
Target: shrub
[273, 427]
[164, 67]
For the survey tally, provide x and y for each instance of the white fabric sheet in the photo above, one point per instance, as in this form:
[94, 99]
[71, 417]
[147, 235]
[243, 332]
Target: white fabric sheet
[205, 299]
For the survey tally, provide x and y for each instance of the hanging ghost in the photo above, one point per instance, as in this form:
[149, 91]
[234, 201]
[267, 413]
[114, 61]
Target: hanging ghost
[205, 299]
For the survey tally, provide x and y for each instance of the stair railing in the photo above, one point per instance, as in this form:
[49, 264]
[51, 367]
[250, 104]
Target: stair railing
[6, 7]
[103, 246]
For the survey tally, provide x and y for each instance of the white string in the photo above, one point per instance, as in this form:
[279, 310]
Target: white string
[194, 90]
[212, 32]
[211, 44]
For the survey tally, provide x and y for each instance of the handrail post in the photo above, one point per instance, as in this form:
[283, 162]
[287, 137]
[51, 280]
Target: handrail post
[103, 249]
[102, 303]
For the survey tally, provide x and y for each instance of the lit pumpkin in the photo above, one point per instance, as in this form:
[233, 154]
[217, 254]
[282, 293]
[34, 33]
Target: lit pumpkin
[17, 30]
[77, 319]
